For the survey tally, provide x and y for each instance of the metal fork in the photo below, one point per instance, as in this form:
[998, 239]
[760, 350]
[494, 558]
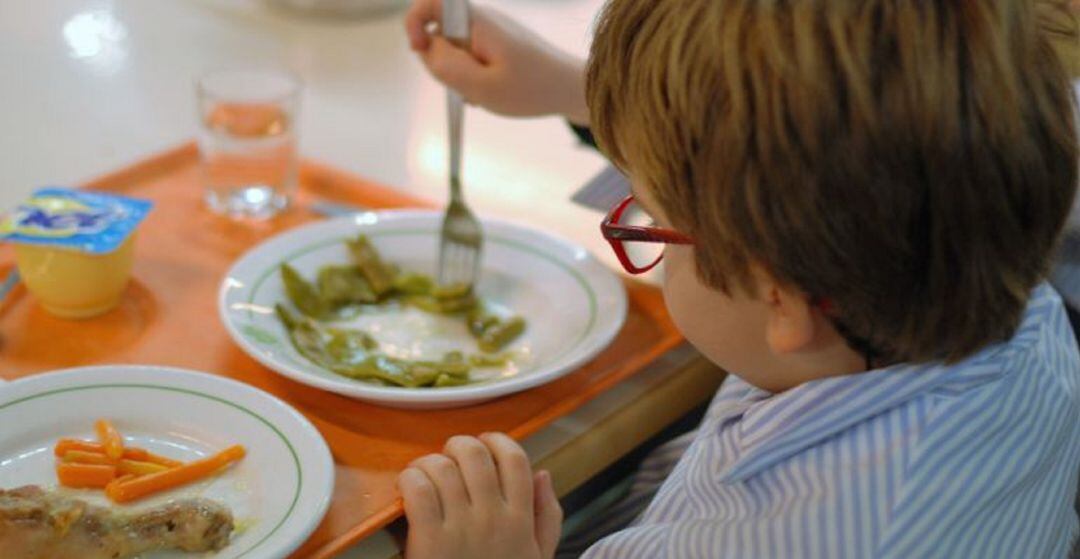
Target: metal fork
[462, 237]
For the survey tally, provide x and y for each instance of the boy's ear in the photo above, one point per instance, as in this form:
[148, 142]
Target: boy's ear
[790, 325]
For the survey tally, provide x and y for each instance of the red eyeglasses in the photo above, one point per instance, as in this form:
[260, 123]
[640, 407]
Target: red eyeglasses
[639, 245]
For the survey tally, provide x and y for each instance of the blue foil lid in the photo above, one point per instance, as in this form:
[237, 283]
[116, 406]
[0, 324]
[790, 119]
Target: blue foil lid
[91, 222]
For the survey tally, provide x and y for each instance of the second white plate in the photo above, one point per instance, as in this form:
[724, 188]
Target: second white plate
[277, 494]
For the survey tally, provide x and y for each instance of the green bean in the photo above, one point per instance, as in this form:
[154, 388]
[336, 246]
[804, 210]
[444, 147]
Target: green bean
[366, 370]
[379, 275]
[423, 374]
[500, 335]
[400, 372]
[441, 306]
[445, 380]
[452, 291]
[380, 367]
[286, 317]
[342, 285]
[460, 304]
[479, 321]
[302, 294]
[497, 360]
[424, 303]
[349, 346]
[459, 369]
[306, 337]
[413, 284]
[327, 347]
[339, 291]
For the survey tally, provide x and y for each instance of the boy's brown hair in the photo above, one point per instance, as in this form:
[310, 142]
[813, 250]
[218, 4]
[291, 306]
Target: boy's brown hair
[913, 161]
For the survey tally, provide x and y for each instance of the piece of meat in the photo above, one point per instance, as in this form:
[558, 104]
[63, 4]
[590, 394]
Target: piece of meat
[38, 524]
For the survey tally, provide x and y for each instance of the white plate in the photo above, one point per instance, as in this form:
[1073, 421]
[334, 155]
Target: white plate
[278, 493]
[574, 305]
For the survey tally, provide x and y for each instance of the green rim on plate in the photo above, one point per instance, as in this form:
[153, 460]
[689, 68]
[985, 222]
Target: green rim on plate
[288, 444]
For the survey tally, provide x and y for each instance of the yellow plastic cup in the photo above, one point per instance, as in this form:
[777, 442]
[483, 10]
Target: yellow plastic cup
[73, 284]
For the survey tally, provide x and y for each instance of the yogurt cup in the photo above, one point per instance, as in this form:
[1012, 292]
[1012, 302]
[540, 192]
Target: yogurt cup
[75, 249]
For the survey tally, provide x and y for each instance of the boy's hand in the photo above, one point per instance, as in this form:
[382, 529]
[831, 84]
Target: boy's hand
[479, 499]
[507, 69]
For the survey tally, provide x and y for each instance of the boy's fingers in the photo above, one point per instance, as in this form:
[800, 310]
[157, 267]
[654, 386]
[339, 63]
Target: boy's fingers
[477, 467]
[548, 515]
[515, 472]
[452, 65]
[422, 505]
[420, 14]
[444, 473]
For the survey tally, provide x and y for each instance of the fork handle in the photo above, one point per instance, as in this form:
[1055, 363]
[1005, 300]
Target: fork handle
[455, 27]
[455, 106]
[455, 22]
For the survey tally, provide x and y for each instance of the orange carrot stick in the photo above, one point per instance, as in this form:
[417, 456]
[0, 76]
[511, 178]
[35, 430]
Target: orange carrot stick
[81, 476]
[63, 446]
[110, 439]
[135, 467]
[155, 459]
[84, 457]
[123, 466]
[162, 481]
[117, 480]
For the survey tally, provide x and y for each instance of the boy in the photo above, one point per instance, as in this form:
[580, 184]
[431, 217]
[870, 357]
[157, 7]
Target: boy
[860, 200]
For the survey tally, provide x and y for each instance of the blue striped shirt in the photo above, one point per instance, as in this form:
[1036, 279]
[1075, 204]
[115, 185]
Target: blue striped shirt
[975, 459]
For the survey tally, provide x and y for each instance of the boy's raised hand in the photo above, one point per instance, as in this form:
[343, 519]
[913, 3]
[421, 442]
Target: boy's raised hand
[479, 499]
[507, 69]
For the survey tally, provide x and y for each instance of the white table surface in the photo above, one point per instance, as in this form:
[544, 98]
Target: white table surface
[93, 85]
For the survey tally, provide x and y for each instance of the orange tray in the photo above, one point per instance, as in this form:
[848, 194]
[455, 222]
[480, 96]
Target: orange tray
[169, 317]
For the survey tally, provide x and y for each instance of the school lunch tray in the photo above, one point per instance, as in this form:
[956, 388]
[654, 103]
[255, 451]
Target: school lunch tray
[169, 317]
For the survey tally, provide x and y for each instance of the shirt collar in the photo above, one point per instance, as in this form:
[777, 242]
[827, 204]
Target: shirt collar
[774, 427]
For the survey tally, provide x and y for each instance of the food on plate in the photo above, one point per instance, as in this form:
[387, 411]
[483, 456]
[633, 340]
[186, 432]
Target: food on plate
[123, 465]
[39, 524]
[342, 289]
[481, 360]
[302, 294]
[352, 353]
[85, 476]
[66, 446]
[344, 285]
[127, 473]
[492, 333]
[449, 299]
[126, 489]
[379, 275]
[110, 439]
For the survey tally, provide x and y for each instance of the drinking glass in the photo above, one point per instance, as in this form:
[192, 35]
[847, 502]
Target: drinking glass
[248, 140]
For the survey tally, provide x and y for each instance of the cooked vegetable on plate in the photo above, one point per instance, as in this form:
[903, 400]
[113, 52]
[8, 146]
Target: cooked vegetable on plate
[127, 474]
[343, 290]
[36, 523]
